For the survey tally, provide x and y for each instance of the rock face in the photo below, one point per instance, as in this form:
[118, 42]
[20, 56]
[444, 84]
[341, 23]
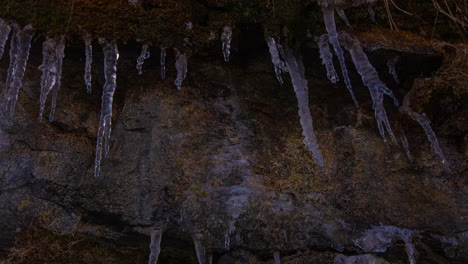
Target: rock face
[223, 159]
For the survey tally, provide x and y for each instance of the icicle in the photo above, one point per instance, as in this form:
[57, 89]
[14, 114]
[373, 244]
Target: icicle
[4, 33]
[111, 55]
[210, 258]
[409, 246]
[277, 257]
[425, 124]
[371, 79]
[329, 19]
[392, 68]
[134, 2]
[342, 14]
[163, 63]
[226, 38]
[145, 54]
[49, 72]
[199, 248]
[14, 46]
[89, 60]
[21, 44]
[278, 63]
[296, 70]
[181, 67]
[155, 246]
[404, 142]
[371, 14]
[60, 52]
[228, 234]
[327, 58]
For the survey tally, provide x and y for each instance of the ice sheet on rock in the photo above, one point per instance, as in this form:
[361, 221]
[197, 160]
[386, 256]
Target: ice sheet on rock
[425, 124]
[277, 257]
[297, 73]
[155, 246]
[199, 248]
[392, 68]
[371, 12]
[89, 61]
[278, 63]
[49, 72]
[181, 67]
[111, 56]
[342, 14]
[371, 80]
[163, 63]
[226, 38]
[327, 58]
[145, 54]
[329, 19]
[19, 55]
[60, 53]
[4, 33]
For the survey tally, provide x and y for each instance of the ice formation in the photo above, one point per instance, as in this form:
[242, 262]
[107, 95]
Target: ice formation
[367, 258]
[370, 79]
[406, 236]
[327, 58]
[228, 234]
[297, 73]
[404, 142]
[371, 14]
[89, 60]
[111, 56]
[145, 54]
[155, 246]
[425, 124]
[163, 63]
[329, 19]
[392, 68]
[19, 54]
[342, 14]
[60, 53]
[278, 63]
[199, 248]
[277, 257]
[181, 67]
[226, 38]
[49, 71]
[4, 33]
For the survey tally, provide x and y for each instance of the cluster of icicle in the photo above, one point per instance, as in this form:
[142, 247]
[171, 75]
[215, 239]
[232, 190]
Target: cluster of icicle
[368, 73]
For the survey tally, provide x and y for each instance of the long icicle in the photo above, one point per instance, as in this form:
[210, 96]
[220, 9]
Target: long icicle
[181, 67]
[145, 54]
[163, 63]
[111, 56]
[199, 248]
[329, 19]
[49, 72]
[226, 38]
[425, 124]
[60, 51]
[327, 58]
[155, 246]
[22, 45]
[297, 72]
[88, 41]
[4, 33]
[370, 78]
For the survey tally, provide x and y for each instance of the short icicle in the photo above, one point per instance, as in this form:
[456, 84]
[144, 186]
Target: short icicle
[329, 19]
[404, 142]
[155, 246]
[297, 73]
[163, 63]
[371, 12]
[392, 68]
[342, 14]
[226, 38]
[371, 80]
[19, 55]
[278, 63]
[88, 41]
[111, 56]
[277, 257]
[60, 53]
[49, 72]
[181, 67]
[425, 124]
[4, 33]
[145, 54]
[199, 248]
[327, 58]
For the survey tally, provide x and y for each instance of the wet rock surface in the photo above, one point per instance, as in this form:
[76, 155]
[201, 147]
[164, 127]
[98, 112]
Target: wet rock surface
[224, 159]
